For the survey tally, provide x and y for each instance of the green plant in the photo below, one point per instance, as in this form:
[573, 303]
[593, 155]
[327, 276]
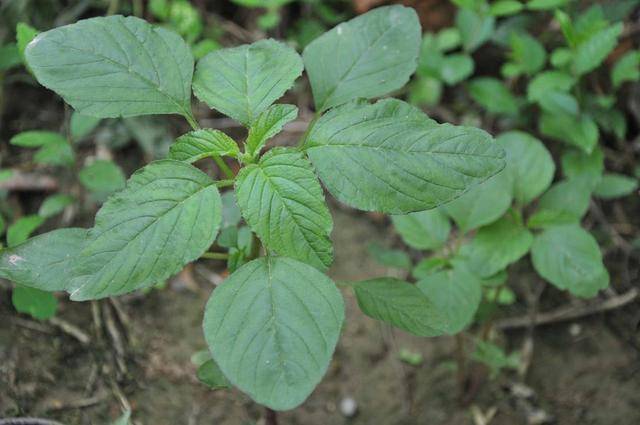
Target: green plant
[273, 324]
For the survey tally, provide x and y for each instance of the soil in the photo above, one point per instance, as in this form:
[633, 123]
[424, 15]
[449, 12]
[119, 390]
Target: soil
[586, 372]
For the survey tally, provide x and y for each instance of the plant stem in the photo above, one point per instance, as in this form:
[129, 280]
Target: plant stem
[188, 115]
[224, 183]
[303, 140]
[223, 167]
[215, 255]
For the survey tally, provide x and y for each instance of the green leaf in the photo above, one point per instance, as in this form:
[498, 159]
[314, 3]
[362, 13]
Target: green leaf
[9, 56]
[209, 373]
[272, 327]
[38, 304]
[390, 257]
[505, 7]
[167, 216]
[82, 125]
[475, 28]
[25, 33]
[244, 81]
[400, 304]
[546, 4]
[390, 157]
[587, 167]
[529, 163]
[268, 124]
[482, 204]
[594, 50]
[448, 39]
[569, 258]
[281, 199]
[560, 103]
[498, 245]
[527, 53]
[493, 356]
[102, 177]
[54, 149]
[425, 91]
[204, 143]
[55, 204]
[424, 229]
[115, 67]
[456, 68]
[549, 82]
[580, 131]
[565, 202]
[368, 56]
[428, 266]
[456, 293]
[44, 261]
[627, 68]
[493, 96]
[22, 228]
[231, 214]
[615, 185]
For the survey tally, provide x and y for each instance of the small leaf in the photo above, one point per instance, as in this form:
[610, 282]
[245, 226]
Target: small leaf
[456, 293]
[25, 33]
[496, 246]
[456, 68]
[23, 227]
[424, 229]
[581, 131]
[167, 216]
[569, 258]
[54, 149]
[548, 82]
[44, 261]
[527, 53]
[281, 199]
[34, 302]
[627, 68]
[272, 327]
[82, 125]
[493, 95]
[529, 163]
[615, 185]
[505, 7]
[209, 373]
[390, 257]
[390, 157]
[9, 56]
[204, 143]
[243, 81]
[102, 177]
[368, 56]
[55, 204]
[268, 124]
[475, 28]
[115, 67]
[565, 202]
[593, 51]
[428, 266]
[400, 304]
[545, 4]
[587, 167]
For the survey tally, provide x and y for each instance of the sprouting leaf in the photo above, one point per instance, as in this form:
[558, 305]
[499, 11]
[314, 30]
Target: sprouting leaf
[569, 258]
[498, 245]
[55, 204]
[529, 163]
[615, 185]
[272, 327]
[44, 261]
[566, 202]
[546, 4]
[428, 266]
[594, 50]
[482, 204]
[505, 7]
[54, 149]
[82, 125]
[493, 96]
[115, 66]
[388, 257]
[580, 131]
[25, 33]
[448, 39]
[475, 28]
[492, 355]
[268, 124]
[209, 373]
[102, 177]
[423, 229]
[22, 228]
[456, 293]
[204, 143]
[167, 216]
[627, 68]
[244, 81]
[527, 53]
[281, 199]
[390, 157]
[368, 56]
[455, 68]
[579, 165]
[34, 302]
[400, 304]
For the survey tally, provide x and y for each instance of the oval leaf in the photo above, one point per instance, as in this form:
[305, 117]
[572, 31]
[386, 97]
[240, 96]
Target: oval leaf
[199, 144]
[272, 327]
[115, 66]
[268, 124]
[167, 216]
[423, 229]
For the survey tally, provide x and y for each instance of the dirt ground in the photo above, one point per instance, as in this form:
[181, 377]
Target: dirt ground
[585, 372]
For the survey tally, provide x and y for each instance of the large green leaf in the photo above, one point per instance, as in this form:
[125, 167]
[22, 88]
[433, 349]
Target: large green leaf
[368, 56]
[243, 81]
[283, 202]
[569, 258]
[268, 124]
[423, 229]
[167, 216]
[199, 144]
[400, 304]
[115, 66]
[529, 163]
[390, 157]
[272, 327]
[456, 293]
[498, 245]
[482, 204]
[45, 261]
